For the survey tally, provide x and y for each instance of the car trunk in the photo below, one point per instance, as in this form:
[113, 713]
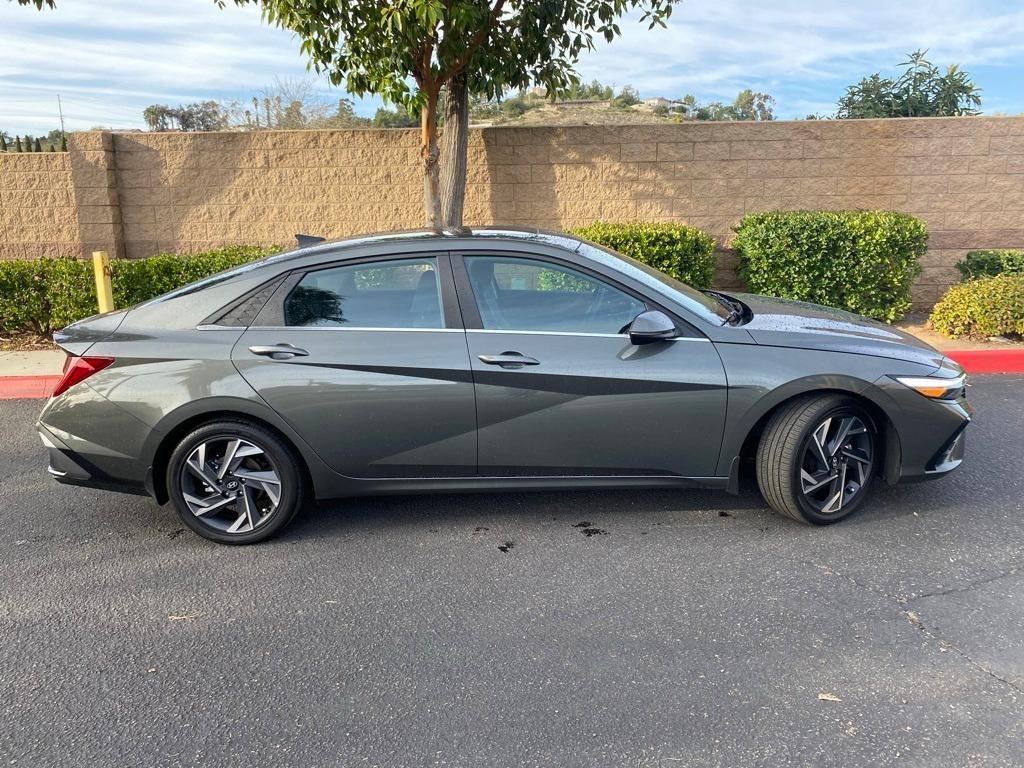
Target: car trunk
[76, 338]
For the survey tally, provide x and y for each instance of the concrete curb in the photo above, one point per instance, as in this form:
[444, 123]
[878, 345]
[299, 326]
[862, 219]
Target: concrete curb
[973, 361]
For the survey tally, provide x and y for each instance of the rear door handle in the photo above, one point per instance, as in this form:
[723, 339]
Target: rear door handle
[509, 360]
[278, 351]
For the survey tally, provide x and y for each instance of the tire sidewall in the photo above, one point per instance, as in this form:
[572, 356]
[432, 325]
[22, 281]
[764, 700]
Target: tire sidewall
[282, 458]
[848, 408]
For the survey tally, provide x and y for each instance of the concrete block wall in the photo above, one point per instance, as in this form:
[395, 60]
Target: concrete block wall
[38, 216]
[139, 193]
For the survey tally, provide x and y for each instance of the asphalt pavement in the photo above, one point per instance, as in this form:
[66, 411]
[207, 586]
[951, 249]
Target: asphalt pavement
[641, 629]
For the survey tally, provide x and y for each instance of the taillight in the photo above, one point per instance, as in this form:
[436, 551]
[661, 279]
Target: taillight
[78, 369]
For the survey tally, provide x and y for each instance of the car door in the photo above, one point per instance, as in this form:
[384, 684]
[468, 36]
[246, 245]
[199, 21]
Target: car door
[367, 361]
[560, 389]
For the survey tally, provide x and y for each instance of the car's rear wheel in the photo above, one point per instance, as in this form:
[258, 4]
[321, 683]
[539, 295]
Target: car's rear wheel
[235, 482]
[816, 458]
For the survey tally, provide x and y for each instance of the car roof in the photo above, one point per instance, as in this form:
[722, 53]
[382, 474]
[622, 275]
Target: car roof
[337, 247]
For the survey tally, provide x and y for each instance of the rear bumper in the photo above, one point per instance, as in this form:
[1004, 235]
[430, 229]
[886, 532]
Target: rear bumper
[72, 468]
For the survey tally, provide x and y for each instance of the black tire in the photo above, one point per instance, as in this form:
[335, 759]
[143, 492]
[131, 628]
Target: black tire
[278, 454]
[783, 450]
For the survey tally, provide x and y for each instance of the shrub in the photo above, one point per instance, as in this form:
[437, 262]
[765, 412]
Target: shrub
[991, 263]
[988, 306]
[43, 294]
[861, 261]
[679, 251]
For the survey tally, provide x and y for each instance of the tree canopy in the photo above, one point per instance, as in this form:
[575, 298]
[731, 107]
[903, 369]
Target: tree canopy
[201, 116]
[403, 49]
[748, 105]
[922, 90]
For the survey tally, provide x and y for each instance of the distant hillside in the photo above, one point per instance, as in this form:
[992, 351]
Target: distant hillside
[595, 113]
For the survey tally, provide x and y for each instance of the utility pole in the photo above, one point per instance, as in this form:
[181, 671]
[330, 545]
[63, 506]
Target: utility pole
[60, 111]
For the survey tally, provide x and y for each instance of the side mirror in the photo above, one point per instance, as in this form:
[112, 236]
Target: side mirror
[651, 326]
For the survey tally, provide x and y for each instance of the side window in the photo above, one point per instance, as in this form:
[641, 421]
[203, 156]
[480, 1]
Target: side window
[515, 294]
[381, 294]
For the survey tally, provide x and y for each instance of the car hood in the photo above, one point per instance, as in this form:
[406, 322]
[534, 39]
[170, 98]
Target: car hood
[787, 323]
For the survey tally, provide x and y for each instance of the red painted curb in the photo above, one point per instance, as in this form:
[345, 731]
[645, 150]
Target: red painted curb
[26, 387]
[989, 360]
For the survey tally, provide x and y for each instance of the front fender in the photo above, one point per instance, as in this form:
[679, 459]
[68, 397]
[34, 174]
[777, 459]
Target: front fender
[762, 378]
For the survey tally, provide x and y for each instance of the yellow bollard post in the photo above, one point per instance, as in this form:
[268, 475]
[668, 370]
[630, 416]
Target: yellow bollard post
[104, 291]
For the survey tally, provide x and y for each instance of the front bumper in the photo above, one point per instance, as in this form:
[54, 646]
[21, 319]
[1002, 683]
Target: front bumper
[950, 456]
[927, 439]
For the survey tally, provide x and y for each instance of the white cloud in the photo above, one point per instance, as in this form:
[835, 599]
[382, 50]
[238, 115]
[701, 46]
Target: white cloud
[713, 48]
[110, 58]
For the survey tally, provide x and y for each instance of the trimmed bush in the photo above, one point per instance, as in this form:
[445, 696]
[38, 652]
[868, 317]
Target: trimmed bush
[679, 251]
[861, 261]
[44, 294]
[990, 263]
[988, 306]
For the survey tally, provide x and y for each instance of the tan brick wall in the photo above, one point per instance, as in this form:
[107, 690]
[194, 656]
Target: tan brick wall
[37, 206]
[180, 192]
[97, 198]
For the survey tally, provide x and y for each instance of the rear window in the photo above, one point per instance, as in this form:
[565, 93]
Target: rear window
[404, 293]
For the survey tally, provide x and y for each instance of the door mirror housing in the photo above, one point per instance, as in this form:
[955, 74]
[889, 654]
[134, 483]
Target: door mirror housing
[651, 326]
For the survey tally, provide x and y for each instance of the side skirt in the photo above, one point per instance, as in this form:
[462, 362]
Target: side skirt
[368, 487]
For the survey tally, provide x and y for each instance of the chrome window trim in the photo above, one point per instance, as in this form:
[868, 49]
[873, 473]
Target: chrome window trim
[573, 333]
[327, 328]
[430, 330]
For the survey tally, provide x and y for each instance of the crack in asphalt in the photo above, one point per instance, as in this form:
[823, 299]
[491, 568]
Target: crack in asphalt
[968, 587]
[915, 620]
[830, 571]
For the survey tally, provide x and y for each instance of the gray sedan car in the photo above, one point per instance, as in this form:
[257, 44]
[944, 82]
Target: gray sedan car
[485, 360]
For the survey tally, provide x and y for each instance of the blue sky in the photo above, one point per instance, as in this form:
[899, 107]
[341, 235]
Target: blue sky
[108, 59]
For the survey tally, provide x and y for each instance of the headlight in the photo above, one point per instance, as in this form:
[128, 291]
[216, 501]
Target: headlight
[935, 387]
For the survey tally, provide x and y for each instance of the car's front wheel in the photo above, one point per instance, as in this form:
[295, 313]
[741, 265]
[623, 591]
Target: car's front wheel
[235, 482]
[816, 458]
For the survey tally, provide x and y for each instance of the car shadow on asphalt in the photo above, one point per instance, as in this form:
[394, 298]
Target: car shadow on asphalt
[682, 506]
[330, 517]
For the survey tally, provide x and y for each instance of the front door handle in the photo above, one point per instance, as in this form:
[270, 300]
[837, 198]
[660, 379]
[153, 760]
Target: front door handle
[509, 360]
[278, 351]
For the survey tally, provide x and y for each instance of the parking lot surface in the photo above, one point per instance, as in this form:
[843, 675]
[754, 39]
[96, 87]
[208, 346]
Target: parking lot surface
[661, 628]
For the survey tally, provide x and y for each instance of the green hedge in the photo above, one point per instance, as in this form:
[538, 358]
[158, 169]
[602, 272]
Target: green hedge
[861, 261]
[44, 294]
[990, 263]
[988, 306]
[679, 251]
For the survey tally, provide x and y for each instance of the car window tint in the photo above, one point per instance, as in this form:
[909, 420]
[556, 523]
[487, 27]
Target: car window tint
[380, 294]
[516, 294]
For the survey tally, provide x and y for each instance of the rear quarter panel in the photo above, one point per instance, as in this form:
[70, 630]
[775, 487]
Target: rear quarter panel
[157, 384]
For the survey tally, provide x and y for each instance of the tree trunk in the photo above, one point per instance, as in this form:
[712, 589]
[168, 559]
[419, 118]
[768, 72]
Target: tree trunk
[429, 151]
[454, 143]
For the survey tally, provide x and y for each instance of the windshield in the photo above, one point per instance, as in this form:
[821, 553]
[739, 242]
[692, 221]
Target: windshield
[705, 307]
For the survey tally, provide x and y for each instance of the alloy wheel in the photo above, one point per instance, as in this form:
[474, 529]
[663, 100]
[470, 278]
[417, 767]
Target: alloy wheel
[231, 484]
[836, 464]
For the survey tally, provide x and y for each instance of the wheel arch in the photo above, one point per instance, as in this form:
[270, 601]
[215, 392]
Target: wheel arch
[752, 424]
[175, 425]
